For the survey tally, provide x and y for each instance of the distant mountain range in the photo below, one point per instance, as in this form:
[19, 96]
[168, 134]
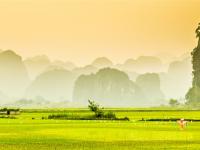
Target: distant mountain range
[145, 81]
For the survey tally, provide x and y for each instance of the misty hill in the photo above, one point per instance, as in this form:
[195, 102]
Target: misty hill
[149, 83]
[13, 74]
[53, 85]
[178, 79]
[85, 70]
[166, 57]
[39, 64]
[36, 65]
[102, 62]
[143, 64]
[66, 65]
[111, 87]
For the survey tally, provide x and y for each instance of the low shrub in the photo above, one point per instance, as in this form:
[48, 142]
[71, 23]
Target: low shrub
[58, 116]
[110, 115]
[106, 116]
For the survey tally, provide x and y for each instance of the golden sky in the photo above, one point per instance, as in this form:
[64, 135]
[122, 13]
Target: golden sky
[81, 30]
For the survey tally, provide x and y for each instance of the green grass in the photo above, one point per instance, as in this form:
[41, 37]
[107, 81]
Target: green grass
[27, 134]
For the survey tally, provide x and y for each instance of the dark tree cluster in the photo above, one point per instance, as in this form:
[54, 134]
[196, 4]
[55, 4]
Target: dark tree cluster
[193, 95]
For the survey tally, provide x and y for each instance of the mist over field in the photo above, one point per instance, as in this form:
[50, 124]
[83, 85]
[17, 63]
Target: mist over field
[137, 82]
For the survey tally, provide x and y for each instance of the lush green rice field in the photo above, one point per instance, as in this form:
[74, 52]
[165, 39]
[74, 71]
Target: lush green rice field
[25, 133]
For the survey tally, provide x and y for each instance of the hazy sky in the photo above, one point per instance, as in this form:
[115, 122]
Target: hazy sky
[81, 30]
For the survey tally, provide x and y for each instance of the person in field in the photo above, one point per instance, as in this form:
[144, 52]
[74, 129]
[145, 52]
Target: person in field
[182, 123]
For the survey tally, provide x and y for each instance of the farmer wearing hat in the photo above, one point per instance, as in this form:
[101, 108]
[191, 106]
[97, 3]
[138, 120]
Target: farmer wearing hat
[182, 123]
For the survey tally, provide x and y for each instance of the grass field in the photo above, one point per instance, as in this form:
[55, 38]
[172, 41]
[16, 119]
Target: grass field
[26, 133]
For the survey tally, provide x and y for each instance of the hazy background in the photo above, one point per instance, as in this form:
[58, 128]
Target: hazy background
[81, 30]
[59, 53]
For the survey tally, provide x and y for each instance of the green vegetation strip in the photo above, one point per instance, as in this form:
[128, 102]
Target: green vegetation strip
[25, 133]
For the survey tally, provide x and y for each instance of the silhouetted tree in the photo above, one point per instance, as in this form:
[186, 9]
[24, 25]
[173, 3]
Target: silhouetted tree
[94, 107]
[193, 95]
[99, 112]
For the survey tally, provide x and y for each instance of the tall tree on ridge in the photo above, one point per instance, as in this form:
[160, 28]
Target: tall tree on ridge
[193, 95]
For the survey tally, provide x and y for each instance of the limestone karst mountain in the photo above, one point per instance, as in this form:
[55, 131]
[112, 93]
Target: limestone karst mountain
[102, 62]
[66, 65]
[166, 57]
[13, 74]
[112, 87]
[53, 85]
[36, 65]
[60, 65]
[149, 83]
[85, 70]
[143, 64]
[178, 79]
[39, 64]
